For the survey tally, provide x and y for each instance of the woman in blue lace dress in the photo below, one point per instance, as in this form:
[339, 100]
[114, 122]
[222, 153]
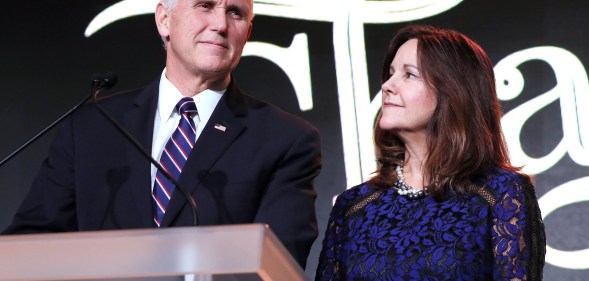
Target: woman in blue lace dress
[445, 202]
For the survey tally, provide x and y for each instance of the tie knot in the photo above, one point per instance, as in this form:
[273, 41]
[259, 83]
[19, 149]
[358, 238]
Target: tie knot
[186, 106]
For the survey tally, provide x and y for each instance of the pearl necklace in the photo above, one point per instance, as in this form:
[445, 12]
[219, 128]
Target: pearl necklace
[403, 188]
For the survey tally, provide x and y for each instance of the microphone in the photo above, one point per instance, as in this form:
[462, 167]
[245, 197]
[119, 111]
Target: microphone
[105, 81]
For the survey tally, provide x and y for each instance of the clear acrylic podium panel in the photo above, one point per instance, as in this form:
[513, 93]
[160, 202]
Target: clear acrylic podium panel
[212, 253]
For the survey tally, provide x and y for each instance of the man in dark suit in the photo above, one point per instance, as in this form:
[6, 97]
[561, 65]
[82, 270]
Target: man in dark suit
[251, 162]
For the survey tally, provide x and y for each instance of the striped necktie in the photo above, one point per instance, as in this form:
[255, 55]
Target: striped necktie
[174, 157]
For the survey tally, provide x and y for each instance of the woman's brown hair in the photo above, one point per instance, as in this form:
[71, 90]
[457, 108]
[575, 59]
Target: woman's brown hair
[464, 137]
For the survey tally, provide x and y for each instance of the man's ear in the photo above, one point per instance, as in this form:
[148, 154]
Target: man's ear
[249, 32]
[162, 20]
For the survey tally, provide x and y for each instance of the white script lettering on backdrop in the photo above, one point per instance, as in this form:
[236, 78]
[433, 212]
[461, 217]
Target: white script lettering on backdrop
[572, 91]
[348, 18]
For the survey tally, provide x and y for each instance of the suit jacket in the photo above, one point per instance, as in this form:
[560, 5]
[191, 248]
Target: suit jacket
[260, 168]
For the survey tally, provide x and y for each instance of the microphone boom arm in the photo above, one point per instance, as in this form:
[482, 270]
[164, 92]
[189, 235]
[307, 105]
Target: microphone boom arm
[98, 83]
[147, 155]
[44, 131]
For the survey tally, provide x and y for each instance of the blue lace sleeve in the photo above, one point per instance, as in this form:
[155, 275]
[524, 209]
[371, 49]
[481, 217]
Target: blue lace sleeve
[518, 237]
[329, 259]
[332, 258]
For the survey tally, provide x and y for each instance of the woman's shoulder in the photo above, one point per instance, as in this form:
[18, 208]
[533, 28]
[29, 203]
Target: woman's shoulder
[359, 190]
[501, 183]
[356, 198]
[501, 178]
[356, 194]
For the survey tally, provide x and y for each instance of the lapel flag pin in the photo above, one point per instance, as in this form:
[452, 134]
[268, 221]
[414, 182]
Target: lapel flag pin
[220, 127]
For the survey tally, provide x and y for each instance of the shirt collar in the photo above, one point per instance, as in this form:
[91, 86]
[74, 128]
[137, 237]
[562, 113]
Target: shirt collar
[169, 95]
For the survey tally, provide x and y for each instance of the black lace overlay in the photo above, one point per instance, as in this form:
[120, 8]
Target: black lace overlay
[494, 232]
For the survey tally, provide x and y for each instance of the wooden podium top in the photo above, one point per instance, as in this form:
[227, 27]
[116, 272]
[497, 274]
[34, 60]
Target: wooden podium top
[230, 252]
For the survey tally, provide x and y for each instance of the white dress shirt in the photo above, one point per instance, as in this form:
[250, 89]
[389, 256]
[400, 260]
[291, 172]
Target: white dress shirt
[167, 118]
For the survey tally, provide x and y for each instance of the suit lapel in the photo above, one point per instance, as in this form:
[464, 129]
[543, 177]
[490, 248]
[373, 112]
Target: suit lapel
[139, 121]
[222, 129]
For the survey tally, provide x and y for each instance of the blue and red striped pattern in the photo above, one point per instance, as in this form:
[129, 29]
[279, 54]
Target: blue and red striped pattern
[174, 157]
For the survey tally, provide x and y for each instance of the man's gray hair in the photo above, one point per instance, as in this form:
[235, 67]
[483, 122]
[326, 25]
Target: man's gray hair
[169, 3]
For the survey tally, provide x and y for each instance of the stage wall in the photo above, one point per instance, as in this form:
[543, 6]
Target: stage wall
[321, 60]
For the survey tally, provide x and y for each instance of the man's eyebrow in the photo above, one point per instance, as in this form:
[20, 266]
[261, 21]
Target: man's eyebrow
[242, 8]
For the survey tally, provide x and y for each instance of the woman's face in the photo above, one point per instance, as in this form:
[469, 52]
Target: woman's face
[407, 102]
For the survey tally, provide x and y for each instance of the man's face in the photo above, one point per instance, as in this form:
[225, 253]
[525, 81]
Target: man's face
[205, 37]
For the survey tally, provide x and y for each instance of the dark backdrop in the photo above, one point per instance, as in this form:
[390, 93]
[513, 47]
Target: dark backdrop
[46, 64]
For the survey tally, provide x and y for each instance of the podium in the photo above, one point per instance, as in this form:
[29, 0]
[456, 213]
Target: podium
[211, 253]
